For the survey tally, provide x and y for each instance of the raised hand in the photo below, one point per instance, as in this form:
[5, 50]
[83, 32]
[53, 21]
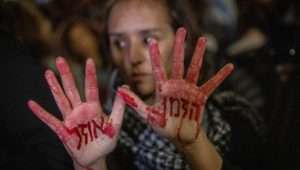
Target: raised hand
[177, 114]
[87, 133]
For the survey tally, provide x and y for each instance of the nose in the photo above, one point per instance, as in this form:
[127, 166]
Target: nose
[137, 54]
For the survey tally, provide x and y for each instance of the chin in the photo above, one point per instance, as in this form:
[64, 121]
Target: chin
[144, 90]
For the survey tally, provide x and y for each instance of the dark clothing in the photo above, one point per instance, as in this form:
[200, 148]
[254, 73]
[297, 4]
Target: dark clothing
[26, 142]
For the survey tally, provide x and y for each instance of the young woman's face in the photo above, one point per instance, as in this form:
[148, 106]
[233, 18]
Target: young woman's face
[131, 26]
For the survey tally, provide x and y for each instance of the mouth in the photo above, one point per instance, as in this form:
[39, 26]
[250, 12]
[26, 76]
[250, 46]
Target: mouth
[138, 77]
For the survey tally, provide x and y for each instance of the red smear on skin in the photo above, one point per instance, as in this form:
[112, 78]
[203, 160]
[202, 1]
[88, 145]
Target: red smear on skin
[128, 99]
[106, 129]
[179, 108]
[184, 107]
[88, 131]
[76, 131]
[154, 50]
[97, 126]
[156, 117]
[196, 134]
[109, 130]
[83, 133]
[193, 111]
[164, 104]
[174, 101]
[197, 114]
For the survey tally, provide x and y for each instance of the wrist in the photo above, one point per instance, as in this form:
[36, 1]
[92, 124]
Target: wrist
[201, 154]
[100, 164]
[191, 147]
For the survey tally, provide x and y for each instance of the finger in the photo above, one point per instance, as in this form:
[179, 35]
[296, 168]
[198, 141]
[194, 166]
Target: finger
[91, 84]
[196, 63]
[59, 96]
[68, 81]
[178, 55]
[118, 112]
[217, 79]
[51, 121]
[158, 69]
[133, 101]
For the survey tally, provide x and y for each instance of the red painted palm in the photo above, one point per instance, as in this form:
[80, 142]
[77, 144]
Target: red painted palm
[180, 103]
[87, 132]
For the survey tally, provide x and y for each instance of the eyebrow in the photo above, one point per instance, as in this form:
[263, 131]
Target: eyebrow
[143, 32]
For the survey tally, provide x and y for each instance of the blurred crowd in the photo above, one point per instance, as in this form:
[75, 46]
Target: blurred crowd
[261, 37]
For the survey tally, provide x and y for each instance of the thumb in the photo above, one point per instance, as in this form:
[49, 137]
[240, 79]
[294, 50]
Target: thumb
[133, 101]
[117, 113]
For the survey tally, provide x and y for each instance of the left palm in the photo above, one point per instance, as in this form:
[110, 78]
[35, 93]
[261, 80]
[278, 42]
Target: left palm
[178, 113]
[87, 132]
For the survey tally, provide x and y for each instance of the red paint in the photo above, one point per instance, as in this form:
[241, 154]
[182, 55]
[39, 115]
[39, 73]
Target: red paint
[96, 126]
[179, 108]
[82, 128]
[184, 107]
[88, 132]
[105, 127]
[128, 99]
[174, 111]
[155, 116]
[196, 134]
[164, 104]
[109, 130]
[76, 131]
[155, 58]
[194, 110]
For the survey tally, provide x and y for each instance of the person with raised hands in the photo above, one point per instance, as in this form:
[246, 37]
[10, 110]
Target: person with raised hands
[87, 133]
[174, 121]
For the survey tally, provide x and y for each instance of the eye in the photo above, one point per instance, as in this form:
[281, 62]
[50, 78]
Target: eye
[119, 44]
[147, 40]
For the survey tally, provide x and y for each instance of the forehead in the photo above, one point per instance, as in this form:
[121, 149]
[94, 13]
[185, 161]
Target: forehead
[132, 15]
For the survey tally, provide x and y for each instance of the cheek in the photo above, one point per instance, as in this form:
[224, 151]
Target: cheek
[117, 58]
[121, 63]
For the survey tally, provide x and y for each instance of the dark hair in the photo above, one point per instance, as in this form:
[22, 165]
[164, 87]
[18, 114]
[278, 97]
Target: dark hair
[183, 14]
[18, 20]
